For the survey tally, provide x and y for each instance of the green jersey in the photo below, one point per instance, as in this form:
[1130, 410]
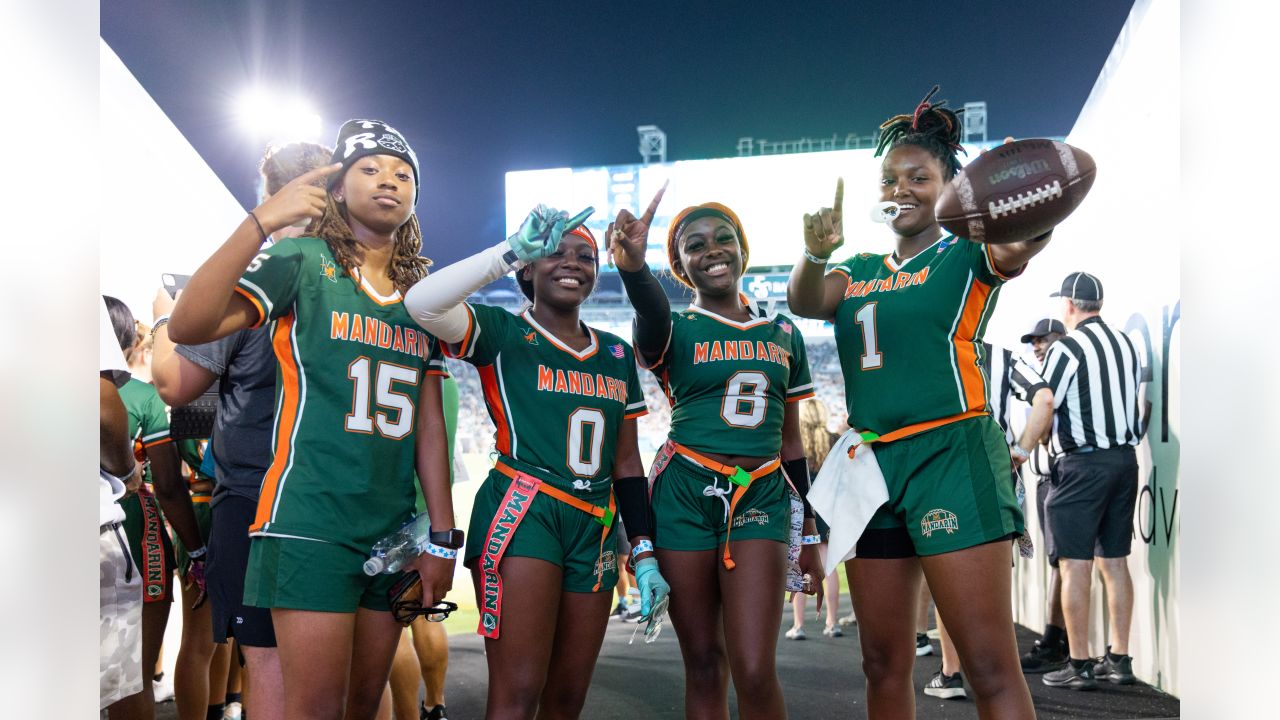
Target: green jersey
[554, 407]
[350, 363]
[909, 334]
[192, 452]
[148, 419]
[729, 382]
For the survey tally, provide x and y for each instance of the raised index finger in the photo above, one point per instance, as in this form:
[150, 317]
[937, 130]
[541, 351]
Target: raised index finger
[318, 174]
[647, 218]
[839, 206]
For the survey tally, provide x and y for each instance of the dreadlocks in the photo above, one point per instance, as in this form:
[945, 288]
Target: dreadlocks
[932, 127]
[407, 265]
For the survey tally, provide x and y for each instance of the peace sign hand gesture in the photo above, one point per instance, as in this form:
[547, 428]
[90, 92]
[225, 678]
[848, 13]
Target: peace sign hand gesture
[628, 236]
[824, 230]
[303, 198]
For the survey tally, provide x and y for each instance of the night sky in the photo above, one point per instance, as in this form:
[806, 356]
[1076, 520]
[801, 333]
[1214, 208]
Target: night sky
[482, 88]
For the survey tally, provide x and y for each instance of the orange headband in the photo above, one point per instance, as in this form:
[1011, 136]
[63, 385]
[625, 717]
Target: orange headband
[713, 209]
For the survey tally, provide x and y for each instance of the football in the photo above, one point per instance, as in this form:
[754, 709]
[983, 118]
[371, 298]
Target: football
[1016, 191]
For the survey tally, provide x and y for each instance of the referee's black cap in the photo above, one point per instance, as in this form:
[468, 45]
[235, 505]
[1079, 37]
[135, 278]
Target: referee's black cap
[1044, 327]
[1080, 286]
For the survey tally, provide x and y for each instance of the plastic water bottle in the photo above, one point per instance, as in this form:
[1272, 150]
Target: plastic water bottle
[400, 547]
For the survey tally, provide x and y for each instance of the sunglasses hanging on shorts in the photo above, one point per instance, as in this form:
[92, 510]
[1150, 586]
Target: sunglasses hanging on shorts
[406, 602]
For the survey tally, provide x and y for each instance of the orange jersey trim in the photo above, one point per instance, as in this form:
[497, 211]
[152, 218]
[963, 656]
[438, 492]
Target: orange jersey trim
[636, 414]
[798, 398]
[975, 396]
[153, 443]
[262, 312]
[493, 397]
[286, 422]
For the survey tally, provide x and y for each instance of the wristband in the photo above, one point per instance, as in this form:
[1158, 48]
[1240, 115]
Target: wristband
[811, 540]
[261, 232]
[815, 259]
[440, 552]
[159, 323]
[197, 554]
[1017, 450]
[642, 546]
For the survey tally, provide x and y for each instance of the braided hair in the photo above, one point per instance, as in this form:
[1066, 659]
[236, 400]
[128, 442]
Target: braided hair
[932, 127]
[407, 265]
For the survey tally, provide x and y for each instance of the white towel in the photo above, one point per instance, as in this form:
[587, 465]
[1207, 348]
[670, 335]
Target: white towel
[846, 493]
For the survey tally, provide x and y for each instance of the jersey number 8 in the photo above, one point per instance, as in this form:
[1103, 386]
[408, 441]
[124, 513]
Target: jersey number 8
[744, 399]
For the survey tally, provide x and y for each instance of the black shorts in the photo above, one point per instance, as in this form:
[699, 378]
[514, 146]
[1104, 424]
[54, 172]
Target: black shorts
[1089, 506]
[225, 568]
[1042, 491]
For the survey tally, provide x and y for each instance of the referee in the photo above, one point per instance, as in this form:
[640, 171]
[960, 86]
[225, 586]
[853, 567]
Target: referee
[1093, 372]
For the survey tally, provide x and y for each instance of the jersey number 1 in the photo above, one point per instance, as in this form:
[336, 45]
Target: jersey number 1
[866, 317]
[360, 419]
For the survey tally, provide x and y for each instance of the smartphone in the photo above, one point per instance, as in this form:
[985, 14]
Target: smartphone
[173, 282]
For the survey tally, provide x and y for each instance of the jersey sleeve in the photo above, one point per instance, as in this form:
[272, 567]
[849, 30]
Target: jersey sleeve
[636, 406]
[1024, 381]
[487, 331]
[983, 265]
[844, 268]
[272, 279]
[212, 356]
[1059, 369]
[435, 361]
[153, 422]
[800, 382]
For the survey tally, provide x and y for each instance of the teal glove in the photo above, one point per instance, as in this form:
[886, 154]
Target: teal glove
[539, 235]
[653, 587]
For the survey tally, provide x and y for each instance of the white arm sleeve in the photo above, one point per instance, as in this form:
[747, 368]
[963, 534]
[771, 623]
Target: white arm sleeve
[435, 301]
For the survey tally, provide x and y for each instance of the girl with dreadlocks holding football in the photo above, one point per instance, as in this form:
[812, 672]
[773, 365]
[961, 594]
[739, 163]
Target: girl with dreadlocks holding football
[721, 509]
[358, 410]
[908, 329]
[564, 397]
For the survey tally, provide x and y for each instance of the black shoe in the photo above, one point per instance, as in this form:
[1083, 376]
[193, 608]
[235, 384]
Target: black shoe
[1119, 671]
[620, 610]
[1072, 677]
[1043, 658]
[922, 645]
[945, 686]
[435, 713]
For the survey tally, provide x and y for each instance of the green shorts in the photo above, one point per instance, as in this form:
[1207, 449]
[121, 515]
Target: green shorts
[550, 530]
[300, 574]
[150, 545]
[686, 517]
[204, 520]
[949, 487]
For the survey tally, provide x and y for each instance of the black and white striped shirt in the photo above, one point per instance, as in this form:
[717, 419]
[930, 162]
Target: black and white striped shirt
[1008, 377]
[1093, 372]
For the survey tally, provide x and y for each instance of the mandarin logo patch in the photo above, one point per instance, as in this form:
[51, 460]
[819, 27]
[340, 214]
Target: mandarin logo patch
[939, 519]
[608, 561]
[328, 270]
[753, 515]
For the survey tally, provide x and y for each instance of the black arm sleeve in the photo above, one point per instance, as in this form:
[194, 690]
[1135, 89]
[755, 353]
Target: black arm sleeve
[633, 504]
[653, 313]
[798, 473]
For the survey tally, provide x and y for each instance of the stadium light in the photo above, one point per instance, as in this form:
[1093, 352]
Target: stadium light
[275, 117]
